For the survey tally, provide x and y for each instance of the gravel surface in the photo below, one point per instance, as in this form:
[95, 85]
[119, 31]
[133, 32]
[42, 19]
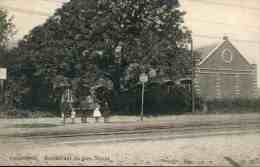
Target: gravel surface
[225, 150]
[242, 149]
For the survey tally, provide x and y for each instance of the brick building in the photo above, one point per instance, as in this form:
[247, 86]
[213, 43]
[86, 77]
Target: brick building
[222, 72]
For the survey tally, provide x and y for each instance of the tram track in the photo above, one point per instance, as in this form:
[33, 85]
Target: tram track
[142, 130]
[141, 135]
[168, 129]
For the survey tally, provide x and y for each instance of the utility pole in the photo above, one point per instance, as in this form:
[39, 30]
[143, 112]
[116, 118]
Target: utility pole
[193, 76]
[3, 76]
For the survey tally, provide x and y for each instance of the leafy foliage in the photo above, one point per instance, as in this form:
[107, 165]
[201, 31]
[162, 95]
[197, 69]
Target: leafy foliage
[6, 28]
[102, 42]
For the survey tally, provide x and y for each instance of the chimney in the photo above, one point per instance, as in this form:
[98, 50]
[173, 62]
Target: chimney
[225, 38]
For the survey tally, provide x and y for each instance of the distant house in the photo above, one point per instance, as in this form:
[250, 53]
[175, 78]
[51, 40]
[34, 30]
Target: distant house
[223, 72]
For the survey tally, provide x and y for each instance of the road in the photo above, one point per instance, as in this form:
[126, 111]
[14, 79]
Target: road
[222, 142]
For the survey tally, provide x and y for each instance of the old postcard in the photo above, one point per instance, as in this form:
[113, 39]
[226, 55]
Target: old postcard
[130, 82]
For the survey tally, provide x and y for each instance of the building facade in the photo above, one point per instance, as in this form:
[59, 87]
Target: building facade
[222, 72]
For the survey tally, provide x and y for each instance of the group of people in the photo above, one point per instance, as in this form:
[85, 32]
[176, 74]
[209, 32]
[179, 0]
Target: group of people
[89, 106]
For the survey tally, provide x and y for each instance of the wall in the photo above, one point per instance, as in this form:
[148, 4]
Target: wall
[217, 79]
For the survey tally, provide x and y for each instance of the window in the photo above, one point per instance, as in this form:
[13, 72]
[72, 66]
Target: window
[227, 56]
[187, 84]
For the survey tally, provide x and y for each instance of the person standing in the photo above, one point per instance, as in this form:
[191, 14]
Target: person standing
[97, 113]
[106, 112]
[86, 108]
[66, 104]
[73, 115]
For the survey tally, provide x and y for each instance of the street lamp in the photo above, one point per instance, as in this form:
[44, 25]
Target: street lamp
[143, 79]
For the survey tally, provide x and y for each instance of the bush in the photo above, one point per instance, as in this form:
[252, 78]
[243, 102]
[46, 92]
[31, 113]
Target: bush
[158, 100]
[13, 112]
[233, 105]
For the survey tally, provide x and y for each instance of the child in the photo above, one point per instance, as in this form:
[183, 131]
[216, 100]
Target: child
[97, 113]
[73, 115]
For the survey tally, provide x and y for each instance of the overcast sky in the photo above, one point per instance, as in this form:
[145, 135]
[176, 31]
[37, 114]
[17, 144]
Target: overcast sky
[209, 20]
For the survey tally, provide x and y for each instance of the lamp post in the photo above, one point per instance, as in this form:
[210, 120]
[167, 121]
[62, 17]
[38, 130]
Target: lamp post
[143, 79]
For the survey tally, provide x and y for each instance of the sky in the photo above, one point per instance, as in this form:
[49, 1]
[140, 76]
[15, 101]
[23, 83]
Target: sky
[209, 21]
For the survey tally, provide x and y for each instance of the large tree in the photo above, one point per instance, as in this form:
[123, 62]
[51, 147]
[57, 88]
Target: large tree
[105, 41]
[7, 30]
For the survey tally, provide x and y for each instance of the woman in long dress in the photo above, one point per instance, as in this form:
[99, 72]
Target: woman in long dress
[97, 113]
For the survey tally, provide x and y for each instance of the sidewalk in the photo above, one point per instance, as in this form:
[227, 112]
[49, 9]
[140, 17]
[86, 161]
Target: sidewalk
[51, 126]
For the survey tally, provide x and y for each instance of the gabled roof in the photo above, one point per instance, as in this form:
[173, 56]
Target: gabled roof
[206, 51]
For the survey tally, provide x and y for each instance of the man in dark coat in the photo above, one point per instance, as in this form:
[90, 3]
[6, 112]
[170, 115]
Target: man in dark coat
[87, 106]
[106, 111]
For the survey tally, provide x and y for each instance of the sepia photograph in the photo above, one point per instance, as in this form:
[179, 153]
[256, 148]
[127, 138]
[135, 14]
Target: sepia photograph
[130, 83]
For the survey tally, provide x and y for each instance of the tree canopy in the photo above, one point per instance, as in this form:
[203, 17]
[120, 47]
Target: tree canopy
[109, 42]
[6, 28]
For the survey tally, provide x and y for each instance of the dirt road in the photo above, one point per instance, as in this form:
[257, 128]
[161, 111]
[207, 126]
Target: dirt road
[243, 149]
[225, 147]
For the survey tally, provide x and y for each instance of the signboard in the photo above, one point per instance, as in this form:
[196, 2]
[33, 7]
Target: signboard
[143, 78]
[3, 73]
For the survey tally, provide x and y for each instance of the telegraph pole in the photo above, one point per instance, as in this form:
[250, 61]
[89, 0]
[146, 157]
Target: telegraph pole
[3, 76]
[193, 76]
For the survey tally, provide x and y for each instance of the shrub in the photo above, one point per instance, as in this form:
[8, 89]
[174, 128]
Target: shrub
[158, 100]
[233, 105]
